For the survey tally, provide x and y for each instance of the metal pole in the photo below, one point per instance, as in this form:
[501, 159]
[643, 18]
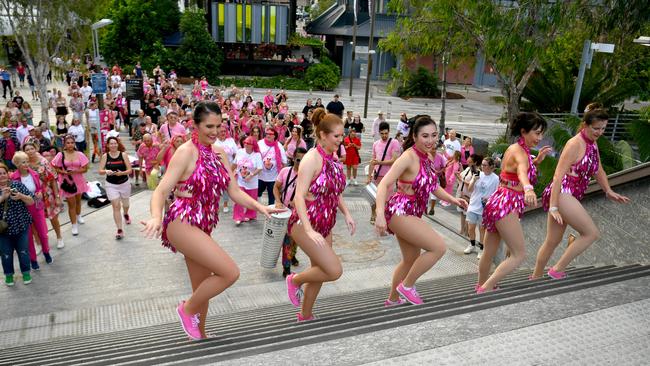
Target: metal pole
[443, 99]
[586, 59]
[354, 47]
[370, 45]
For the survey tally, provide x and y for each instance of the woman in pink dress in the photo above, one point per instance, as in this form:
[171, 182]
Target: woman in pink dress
[197, 176]
[453, 167]
[579, 162]
[71, 166]
[294, 141]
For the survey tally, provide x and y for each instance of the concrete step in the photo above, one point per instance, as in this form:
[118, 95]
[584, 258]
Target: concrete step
[274, 328]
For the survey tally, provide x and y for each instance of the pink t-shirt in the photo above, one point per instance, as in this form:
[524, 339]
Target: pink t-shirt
[178, 129]
[378, 151]
[290, 174]
[291, 147]
[268, 101]
[148, 155]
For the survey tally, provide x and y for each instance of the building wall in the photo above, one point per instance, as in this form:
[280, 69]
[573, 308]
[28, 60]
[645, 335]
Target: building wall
[249, 23]
[382, 62]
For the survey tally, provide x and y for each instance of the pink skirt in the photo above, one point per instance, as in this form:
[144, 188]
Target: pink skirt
[500, 204]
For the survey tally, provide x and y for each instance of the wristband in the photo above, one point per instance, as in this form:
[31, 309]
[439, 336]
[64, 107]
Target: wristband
[553, 209]
[528, 187]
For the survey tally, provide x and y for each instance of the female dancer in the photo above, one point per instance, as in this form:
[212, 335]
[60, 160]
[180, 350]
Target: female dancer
[321, 182]
[198, 176]
[579, 161]
[116, 166]
[416, 179]
[504, 208]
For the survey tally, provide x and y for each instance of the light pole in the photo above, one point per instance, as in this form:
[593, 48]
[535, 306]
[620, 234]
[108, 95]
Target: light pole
[97, 58]
[370, 53]
[354, 46]
[587, 54]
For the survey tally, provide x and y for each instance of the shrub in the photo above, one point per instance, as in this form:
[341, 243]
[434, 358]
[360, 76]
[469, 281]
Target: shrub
[198, 55]
[420, 83]
[323, 76]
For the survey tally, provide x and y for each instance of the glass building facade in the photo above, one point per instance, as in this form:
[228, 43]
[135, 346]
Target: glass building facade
[249, 22]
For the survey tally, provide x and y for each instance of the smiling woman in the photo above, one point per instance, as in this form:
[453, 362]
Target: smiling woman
[198, 177]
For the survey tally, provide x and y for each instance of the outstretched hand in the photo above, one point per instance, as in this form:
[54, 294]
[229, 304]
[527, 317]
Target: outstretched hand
[268, 211]
[152, 228]
[617, 197]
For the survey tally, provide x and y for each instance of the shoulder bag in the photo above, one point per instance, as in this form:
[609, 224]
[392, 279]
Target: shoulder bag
[67, 184]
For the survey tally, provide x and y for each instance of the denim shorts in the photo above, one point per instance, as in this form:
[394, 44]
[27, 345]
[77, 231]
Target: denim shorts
[474, 218]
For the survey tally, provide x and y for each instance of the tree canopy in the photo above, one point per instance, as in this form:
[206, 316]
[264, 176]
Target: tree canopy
[198, 55]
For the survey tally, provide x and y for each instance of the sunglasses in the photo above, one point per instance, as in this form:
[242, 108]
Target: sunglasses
[297, 160]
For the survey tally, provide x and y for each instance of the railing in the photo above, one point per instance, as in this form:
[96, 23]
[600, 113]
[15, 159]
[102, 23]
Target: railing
[616, 129]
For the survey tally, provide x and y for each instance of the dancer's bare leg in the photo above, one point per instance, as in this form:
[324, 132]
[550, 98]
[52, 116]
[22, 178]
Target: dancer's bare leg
[325, 267]
[205, 252]
[198, 274]
[418, 234]
[554, 234]
[578, 218]
[409, 254]
[510, 230]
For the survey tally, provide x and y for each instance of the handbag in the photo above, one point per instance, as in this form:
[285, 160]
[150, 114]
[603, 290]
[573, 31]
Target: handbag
[3, 224]
[67, 185]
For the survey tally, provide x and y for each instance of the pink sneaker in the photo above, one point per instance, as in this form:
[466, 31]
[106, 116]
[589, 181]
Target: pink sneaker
[294, 292]
[480, 290]
[556, 275]
[389, 304]
[409, 294]
[495, 288]
[190, 323]
[301, 319]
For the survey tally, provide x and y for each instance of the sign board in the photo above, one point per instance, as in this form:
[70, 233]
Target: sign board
[98, 81]
[339, 42]
[360, 50]
[134, 89]
[134, 106]
[363, 71]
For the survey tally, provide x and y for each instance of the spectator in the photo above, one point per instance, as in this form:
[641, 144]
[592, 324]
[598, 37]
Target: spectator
[61, 104]
[274, 158]
[481, 188]
[115, 164]
[357, 125]
[335, 106]
[308, 107]
[92, 118]
[20, 69]
[346, 122]
[229, 146]
[453, 166]
[77, 130]
[439, 164]
[352, 145]
[248, 165]
[294, 141]
[28, 113]
[403, 125]
[14, 199]
[466, 150]
[147, 155]
[18, 100]
[172, 127]
[153, 112]
[451, 144]
[86, 91]
[5, 78]
[308, 129]
[9, 144]
[71, 166]
[384, 153]
[32, 182]
[464, 178]
[375, 125]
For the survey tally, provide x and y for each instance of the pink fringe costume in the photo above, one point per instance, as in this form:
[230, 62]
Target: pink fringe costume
[326, 189]
[583, 170]
[209, 179]
[506, 200]
[426, 181]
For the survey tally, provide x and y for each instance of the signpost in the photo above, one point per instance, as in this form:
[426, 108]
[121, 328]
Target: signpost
[99, 83]
[134, 95]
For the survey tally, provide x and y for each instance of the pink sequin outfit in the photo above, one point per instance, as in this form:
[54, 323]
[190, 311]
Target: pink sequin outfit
[326, 190]
[425, 182]
[582, 171]
[506, 200]
[206, 184]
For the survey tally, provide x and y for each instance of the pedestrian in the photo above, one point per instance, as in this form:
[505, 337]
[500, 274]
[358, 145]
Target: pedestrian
[376, 125]
[71, 165]
[401, 214]
[466, 150]
[5, 78]
[9, 144]
[14, 200]
[464, 179]
[384, 153]
[274, 158]
[352, 144]
[451, 144]
[20, 69]
[481, 188]
[308, 129]
[335, 106]
[505, 207]
[61, 104]
[579, 161]
[147, 154]
[116, 166]
[284, 191]
[28, 113]
[32, 87]
[31, 181]
[294, 141]
[52, 200]
[229, 146]
[320, 183]
[248, 165]
[77, 130]
[403, 125]
[198, 176]
[92, 119]
[451, 171]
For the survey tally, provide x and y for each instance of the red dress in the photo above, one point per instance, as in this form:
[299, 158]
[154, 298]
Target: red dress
[352, 157]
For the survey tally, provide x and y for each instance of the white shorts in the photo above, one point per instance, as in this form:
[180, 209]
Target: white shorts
[474, 218]
[117, 191]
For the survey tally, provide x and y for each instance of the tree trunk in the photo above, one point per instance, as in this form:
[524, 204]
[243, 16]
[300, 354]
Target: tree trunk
[40, 82]
[513, 109]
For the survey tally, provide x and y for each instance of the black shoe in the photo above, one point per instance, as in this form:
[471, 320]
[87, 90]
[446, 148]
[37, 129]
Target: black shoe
[92, 159]
[35, 265]
[48, 258]
[286, 272]
[294, 262]
[432, 211]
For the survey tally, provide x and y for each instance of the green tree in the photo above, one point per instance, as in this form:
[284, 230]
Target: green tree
[320, 7]
[44, 30]
[198, 55]
[137, 26]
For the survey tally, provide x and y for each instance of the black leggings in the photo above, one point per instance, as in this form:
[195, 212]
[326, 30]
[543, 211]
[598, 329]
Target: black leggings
[266, 186]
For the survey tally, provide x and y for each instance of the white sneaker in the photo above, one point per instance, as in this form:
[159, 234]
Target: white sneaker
[39, 249]
[80, 220]
[480, 254]
[226, 209]
[75, 229]
[470, 249]
[59, 243]
[354, 182]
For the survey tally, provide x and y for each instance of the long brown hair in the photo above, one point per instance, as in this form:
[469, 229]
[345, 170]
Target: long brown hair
[120, 147]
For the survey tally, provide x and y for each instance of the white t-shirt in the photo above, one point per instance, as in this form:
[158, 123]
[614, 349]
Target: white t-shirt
[86, 92]
[247, 164]
[113, 133]
[229, 146]
[451, 146]
[21, 133]
[28, 181]
[483, 189]
[77, 132]
[269, 171]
